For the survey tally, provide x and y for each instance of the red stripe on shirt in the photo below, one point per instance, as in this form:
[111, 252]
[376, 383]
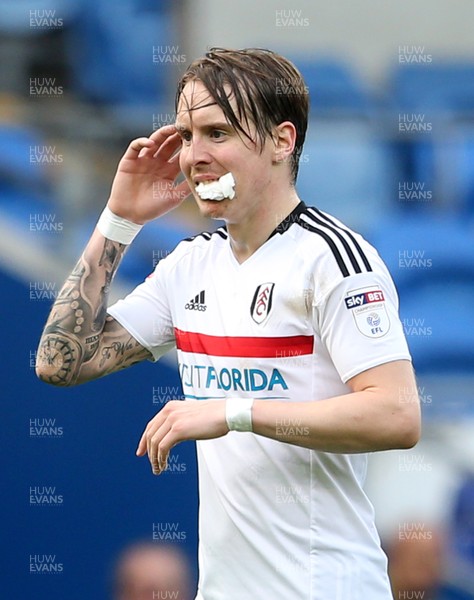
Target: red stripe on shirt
[252, 347]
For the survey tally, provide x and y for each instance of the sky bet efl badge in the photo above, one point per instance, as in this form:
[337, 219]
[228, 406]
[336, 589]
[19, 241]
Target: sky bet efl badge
[368, 309]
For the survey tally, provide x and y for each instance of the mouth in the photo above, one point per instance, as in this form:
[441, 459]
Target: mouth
[204, 179]
[215, 189]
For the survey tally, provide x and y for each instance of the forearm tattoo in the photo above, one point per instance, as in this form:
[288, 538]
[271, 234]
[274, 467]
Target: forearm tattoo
[72, 337]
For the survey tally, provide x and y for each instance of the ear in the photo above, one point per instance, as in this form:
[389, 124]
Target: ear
[284, 139]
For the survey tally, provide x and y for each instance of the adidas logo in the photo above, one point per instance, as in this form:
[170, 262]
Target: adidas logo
[197, 303]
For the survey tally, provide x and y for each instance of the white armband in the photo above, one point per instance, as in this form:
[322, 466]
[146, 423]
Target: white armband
[116, 228]
[238, 413]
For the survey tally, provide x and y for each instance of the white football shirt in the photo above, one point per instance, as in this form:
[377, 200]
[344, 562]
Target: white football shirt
[311, 308]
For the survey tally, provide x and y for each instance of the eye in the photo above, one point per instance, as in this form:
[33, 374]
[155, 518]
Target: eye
[185, 135]
[217, 134]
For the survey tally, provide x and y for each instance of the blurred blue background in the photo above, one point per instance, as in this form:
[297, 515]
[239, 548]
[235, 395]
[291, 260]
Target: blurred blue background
[389, 151]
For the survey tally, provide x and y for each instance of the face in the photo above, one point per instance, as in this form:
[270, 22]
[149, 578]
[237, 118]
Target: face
[211, 148]
[152, 573]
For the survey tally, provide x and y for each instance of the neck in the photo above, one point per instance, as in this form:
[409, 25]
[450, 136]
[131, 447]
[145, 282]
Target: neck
[248, 235]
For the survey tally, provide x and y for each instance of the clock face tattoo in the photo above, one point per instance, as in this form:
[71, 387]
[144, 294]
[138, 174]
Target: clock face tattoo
[59, 356]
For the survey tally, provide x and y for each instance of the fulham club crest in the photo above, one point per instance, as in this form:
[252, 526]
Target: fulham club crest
[262, 302]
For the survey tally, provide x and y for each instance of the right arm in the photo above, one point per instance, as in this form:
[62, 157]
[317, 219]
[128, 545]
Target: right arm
[80, 341]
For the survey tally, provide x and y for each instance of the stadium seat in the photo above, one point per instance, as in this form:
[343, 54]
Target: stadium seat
[432, 263]
[438, 323]
[26, 31]
[442, 86]
[334, 88]
[20, 158]
[27, 196]
[443, 167]
[112, 65]
[424, 248]
[19, 17]
[346, 171]
[458, 581]
[451, 164]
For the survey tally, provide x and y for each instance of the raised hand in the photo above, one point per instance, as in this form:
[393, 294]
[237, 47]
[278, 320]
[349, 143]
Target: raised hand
[144, 186]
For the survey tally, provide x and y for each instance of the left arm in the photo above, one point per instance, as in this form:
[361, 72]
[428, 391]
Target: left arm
[381, 412]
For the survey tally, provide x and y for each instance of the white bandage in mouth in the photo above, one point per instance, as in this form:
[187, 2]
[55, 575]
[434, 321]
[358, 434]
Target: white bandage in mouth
[217, 190]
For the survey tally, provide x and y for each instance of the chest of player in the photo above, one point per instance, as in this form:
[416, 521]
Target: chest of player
[258, 298]
[243, 328]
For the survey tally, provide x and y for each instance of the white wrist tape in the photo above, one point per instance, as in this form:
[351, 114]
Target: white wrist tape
[116, 228]
[238, 414]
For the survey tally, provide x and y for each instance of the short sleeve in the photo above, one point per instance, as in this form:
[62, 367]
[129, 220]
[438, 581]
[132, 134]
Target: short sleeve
[359, 324]
[145, 314]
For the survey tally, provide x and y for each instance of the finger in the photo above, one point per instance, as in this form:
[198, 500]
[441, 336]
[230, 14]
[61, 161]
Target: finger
[167, 444]
[162, 134]
[144, 440]
[175, 158]
[159, 463]
[136, 146]
[155, 467]
[163, 461]
[168, 147]
[147, 152]
[168, 172]
[141, 449]
[151, 427]
[154, 444]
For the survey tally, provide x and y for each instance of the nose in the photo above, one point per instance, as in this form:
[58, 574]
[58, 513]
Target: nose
[196, 152]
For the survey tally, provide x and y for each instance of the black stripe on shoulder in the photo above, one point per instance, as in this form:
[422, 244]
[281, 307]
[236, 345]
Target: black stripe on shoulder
[330, 242]
[288, 221]
[315, 218]
[362, 254]
[207, 235]
[222, 231]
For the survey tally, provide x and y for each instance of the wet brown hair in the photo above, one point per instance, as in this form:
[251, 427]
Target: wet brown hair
[268, 89]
